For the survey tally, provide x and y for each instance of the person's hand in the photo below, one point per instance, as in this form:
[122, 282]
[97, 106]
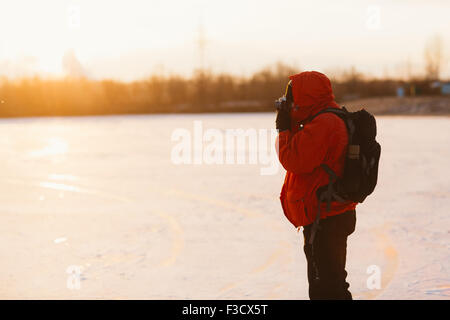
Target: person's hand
[283, 120]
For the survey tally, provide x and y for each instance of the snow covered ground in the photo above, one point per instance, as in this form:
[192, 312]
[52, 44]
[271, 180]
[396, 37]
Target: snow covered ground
[95, 208]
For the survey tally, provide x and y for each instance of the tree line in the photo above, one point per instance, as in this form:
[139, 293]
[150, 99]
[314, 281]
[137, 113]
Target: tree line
[203, 92]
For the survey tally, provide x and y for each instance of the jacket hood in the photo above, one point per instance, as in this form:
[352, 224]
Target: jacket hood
[312, 93]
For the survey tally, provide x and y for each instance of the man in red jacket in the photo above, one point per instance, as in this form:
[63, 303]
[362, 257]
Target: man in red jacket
[303, 146]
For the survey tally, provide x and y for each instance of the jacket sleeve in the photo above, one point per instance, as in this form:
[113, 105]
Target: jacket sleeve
[305, 150]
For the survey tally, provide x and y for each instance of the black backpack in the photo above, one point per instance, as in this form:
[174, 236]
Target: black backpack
[361, 165]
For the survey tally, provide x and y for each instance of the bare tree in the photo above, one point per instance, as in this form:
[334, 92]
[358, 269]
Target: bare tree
[433, 55]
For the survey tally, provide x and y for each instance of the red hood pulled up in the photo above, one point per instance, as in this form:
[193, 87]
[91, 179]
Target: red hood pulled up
[312, 93]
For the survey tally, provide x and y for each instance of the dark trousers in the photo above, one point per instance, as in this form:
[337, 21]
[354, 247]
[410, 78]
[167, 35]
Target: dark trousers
[326, 257]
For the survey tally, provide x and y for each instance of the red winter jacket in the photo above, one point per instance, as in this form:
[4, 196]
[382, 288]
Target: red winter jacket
[301, 152]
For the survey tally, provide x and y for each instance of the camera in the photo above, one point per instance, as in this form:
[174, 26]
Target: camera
[281, 103]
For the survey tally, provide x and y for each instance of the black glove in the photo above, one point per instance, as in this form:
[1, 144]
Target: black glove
[283, 120]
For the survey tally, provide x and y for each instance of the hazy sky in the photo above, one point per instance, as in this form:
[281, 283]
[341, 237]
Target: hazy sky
[131, 39]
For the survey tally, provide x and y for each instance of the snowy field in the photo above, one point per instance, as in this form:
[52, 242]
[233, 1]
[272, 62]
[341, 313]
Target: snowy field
[95, 208]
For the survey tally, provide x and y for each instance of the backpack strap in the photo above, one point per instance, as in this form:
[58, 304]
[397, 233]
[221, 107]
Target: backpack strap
[339, 112]
[327, 196]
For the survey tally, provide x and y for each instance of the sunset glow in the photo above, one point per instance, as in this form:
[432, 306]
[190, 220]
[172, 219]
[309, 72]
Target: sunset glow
[133, 39]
